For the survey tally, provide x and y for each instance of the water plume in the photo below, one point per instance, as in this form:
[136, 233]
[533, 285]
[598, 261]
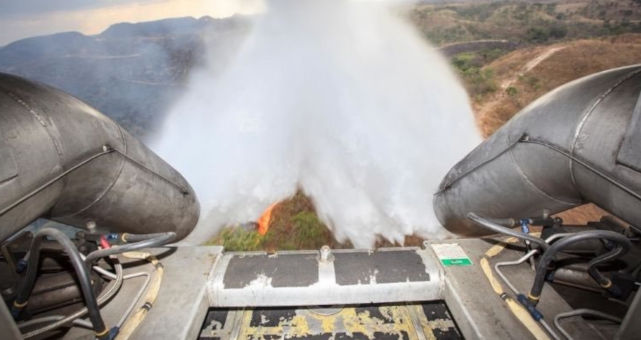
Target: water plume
[342, 99]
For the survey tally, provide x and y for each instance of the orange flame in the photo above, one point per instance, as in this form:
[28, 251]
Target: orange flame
[265, 218]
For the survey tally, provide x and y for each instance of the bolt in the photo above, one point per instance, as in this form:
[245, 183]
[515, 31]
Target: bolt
[91, 226]
[326, 254]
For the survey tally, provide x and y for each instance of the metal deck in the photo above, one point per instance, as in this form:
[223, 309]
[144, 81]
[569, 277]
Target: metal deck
[384, 294]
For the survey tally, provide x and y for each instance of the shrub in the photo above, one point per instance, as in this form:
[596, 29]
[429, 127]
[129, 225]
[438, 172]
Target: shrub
[238, 239]
[546, 31]
[309, 231]
[478, 82]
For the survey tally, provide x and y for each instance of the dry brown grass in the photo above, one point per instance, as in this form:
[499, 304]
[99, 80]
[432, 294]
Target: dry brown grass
[575, 60]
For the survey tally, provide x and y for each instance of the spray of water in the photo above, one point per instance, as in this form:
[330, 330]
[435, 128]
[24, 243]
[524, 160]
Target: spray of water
[341, 99]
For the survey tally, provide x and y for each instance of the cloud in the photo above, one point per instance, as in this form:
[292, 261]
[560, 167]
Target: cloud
[92, 17]
[29, 7]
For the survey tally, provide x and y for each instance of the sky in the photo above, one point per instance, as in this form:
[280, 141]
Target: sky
[26, 18]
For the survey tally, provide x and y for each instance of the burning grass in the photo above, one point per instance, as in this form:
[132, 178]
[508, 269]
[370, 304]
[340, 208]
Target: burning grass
[289, 225]
[292, 224]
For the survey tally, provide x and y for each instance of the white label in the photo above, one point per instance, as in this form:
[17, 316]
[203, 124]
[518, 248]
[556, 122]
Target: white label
[451, 254]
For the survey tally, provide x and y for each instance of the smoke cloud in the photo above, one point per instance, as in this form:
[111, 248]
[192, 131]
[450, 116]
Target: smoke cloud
[341, 99]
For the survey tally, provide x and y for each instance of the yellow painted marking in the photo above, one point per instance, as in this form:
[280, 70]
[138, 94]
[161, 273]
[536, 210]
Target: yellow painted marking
[497, 248]
[522, 314]
[519, 311]
[347, 321]
[496, 285]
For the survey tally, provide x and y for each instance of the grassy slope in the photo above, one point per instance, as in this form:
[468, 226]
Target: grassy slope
[294, 222]
[570, 61]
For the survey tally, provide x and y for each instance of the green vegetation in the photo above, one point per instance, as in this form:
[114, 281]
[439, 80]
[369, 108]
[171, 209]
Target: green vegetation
[545, 33]
[466, 60]
[308, 232]
[238, 239]
[531, 81]
[477, 80]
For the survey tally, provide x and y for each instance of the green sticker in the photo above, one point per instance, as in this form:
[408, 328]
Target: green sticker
[456, 262]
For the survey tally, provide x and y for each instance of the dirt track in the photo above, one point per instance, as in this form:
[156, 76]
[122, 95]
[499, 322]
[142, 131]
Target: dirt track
[530, 65]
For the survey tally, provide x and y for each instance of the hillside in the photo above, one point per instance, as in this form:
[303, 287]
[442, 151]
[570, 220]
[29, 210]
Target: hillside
[525, 22]
[526, 74]
[134, 72]
[130, 72]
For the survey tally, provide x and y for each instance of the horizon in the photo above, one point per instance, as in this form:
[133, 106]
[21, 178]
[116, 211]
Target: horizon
[37, 18]
[123, 22]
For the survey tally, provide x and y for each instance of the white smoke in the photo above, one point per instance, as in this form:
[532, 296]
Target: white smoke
[342, 99]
